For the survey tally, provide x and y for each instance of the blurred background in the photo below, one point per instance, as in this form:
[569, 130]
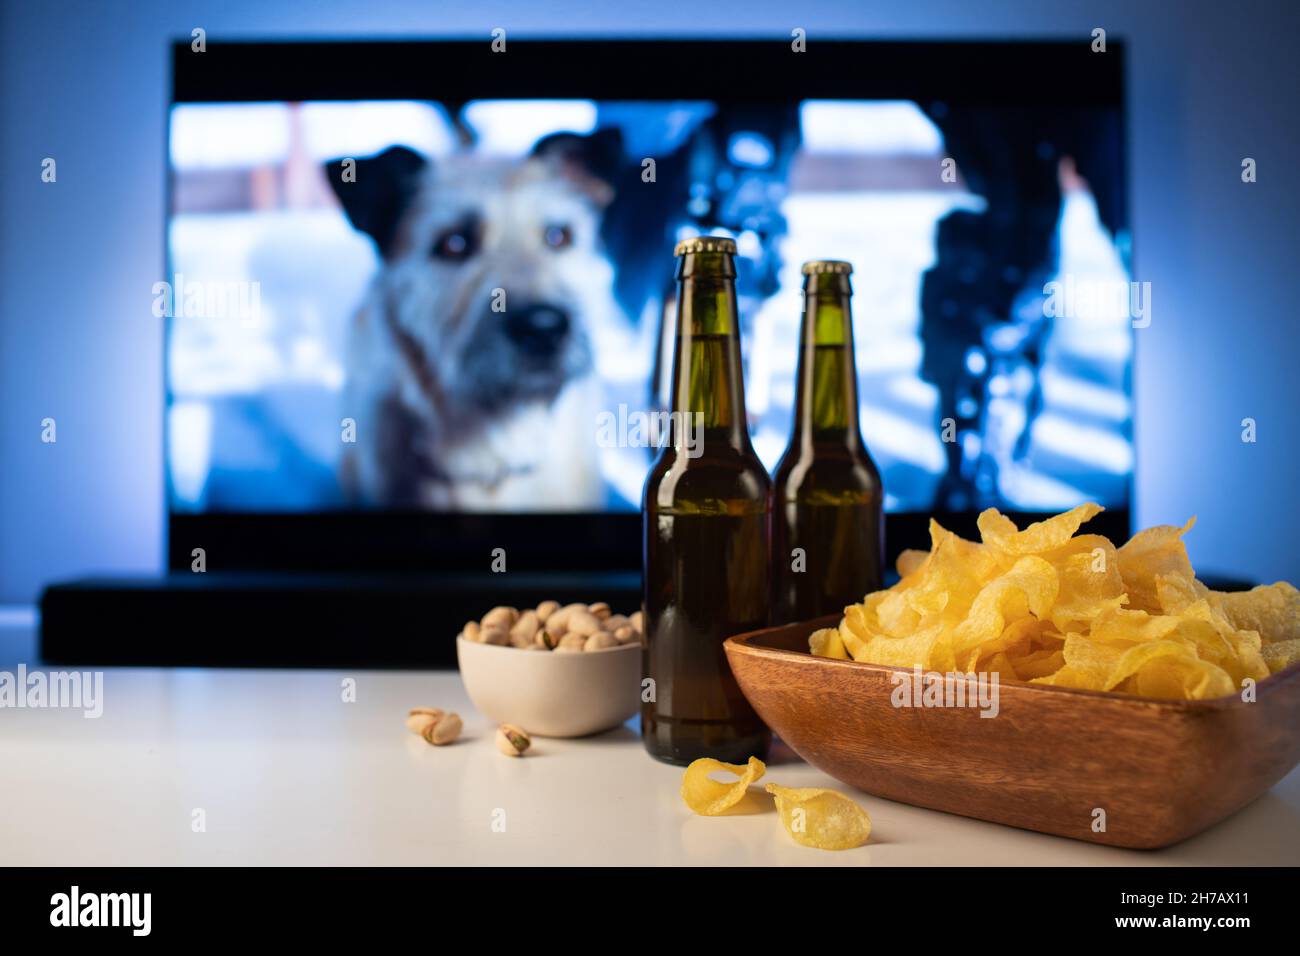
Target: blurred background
[87, 84]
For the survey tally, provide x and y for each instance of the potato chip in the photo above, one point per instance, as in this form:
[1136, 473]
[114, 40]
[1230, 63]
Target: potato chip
[958, 568]
[928, 646]
[998, 531]
[1173, 658]
[825, 819]
[1151, 554]
[910, 561]
[1017, 640]
[857, 626]
[1087, 569]
[1219, 642]
[1038, 663]
[1029, 588]
[1053, 607]
[1281, 654]
[1271, 610]
[711, 798]
[1088, 664]
[827, 643]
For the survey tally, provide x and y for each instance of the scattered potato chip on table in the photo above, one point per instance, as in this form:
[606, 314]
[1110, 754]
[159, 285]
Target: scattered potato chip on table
[816, 817]
[709, 797]
[825, 819]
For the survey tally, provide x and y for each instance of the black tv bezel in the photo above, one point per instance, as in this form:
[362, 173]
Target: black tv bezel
[1065, 72]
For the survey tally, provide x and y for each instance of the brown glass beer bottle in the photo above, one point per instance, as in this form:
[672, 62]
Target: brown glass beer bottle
[827, 510]
[706, 524]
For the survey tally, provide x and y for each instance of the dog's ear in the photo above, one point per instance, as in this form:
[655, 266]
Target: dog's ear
[375, 191]
[593, 162]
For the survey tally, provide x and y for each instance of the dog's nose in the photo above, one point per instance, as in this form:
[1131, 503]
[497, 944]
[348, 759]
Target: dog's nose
[537, 329]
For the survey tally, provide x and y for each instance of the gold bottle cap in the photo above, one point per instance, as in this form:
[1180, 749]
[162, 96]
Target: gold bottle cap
[705, 244]
[820, 267]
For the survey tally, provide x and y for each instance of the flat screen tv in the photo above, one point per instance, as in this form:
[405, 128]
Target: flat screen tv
[419, 295]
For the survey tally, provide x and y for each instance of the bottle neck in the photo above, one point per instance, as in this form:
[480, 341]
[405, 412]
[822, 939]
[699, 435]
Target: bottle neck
[826, 393]
[708, 399]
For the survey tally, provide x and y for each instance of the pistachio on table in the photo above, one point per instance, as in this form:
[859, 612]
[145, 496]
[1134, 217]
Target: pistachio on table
[512, 741]
[434, 724]
[421, 717]
[443, 731]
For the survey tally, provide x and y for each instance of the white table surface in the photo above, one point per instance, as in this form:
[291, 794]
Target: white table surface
[286, 772]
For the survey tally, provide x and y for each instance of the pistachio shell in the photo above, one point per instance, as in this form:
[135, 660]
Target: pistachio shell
[503, 617]
[525, 629]
[444, 730]
[583, 622]
[570, 643]
[512, 741]
[421, 717]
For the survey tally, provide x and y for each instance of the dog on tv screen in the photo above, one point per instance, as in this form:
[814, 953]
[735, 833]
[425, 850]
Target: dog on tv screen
[469, 367]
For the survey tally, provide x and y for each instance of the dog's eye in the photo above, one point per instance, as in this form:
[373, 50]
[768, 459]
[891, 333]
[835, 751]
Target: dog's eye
[454, 244]
[558, 237]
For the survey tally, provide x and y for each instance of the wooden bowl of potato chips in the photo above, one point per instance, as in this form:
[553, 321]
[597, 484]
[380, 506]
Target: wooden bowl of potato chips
[1045, 680]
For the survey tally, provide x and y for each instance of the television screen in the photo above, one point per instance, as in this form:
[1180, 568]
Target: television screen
[468, 306]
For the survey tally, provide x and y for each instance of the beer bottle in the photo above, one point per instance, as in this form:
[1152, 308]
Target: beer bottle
[706, 515]
[826, 492]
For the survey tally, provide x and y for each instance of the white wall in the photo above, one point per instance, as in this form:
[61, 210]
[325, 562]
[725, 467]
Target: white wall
[86, 83]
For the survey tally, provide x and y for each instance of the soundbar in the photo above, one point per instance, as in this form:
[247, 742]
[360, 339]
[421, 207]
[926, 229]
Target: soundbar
[286, 620]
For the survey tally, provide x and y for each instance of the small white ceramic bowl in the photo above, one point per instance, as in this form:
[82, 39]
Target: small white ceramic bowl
[550, 694]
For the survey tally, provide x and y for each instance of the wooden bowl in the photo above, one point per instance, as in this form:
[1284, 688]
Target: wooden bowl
[1160, 770]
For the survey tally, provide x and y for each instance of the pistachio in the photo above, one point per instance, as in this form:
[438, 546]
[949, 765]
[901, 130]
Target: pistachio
[547, 626]
[421, 717]
[560, 619]
[443, 730]
[636, 621]
[525, 630]
[502, 617]
[599, 641]
[513, 741]
[570, 643]
[583, 622]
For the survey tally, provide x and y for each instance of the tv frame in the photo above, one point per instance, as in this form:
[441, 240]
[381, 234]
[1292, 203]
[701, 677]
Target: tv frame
[1063, 72]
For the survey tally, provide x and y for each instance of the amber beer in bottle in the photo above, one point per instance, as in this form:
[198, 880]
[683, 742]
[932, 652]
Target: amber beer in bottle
[706, 523]
[826, 491]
